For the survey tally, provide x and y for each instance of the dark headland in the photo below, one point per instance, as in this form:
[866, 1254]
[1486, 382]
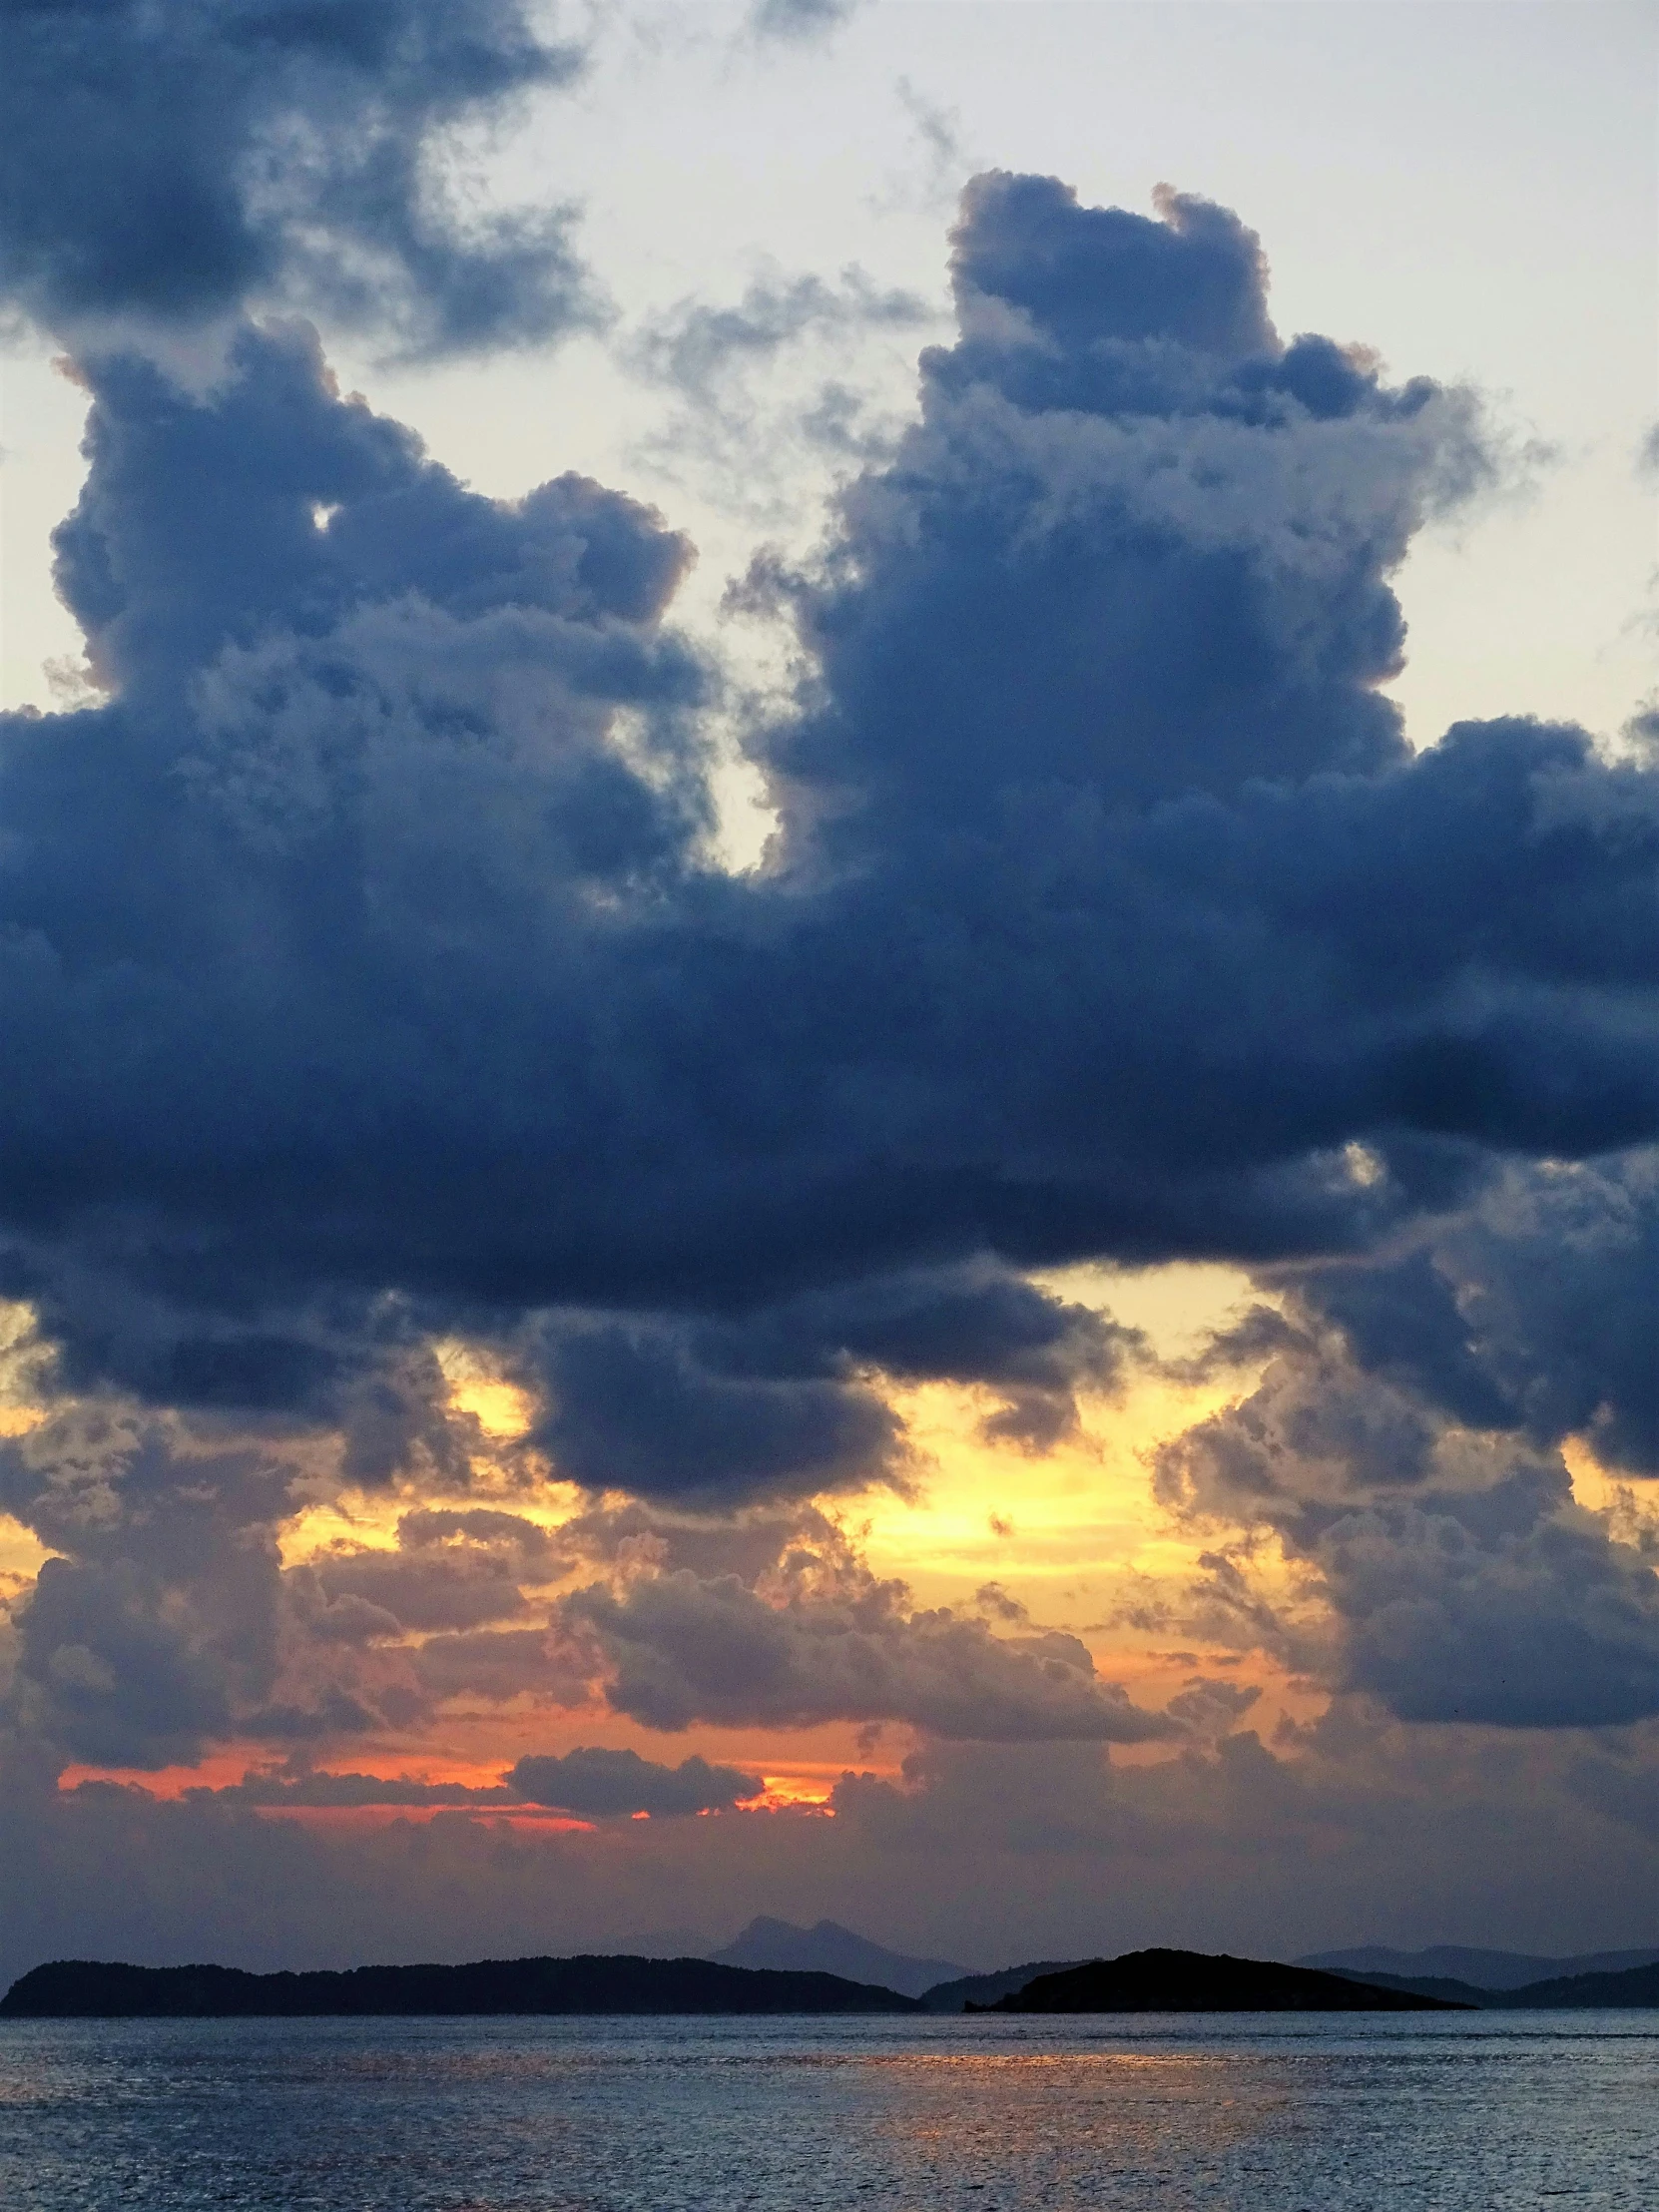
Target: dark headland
[87, 1990]
[1191, 1982]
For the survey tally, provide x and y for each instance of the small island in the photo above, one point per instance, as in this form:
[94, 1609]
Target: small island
[1192, 1982]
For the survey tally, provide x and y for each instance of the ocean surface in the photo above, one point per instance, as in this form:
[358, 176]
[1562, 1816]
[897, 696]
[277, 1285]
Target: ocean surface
[1205, 2113]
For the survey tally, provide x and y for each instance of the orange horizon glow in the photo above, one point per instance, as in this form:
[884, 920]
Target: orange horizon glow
[1073, 1536]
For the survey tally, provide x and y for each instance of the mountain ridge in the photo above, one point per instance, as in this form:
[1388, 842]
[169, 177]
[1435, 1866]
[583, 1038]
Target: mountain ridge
[1486, 1969]
[828, 1947]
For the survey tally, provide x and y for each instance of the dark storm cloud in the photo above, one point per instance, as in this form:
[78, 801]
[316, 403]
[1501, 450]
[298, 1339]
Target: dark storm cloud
[366, 941]
[608, 1783]
[784, 1396]
[1535, 1308]
[366, 977]
[175, 161]
[1088, 277]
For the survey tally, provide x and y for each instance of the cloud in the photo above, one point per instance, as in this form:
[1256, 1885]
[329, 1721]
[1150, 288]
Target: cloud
[1088, 277]
[769, 385]
[785, 1398]
[1537, 1307]
[799, 22]
[155, 1622]
[693, 346]
[350, 1792]
[448, 1588]
[500, 1665]
[1464, 1581]
[590, 1782]
[172, 166]
[830, 1642]
[1507, 1607]
[607, 1783]
[1110, 907]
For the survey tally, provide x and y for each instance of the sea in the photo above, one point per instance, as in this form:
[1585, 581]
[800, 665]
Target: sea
[1469, 2112]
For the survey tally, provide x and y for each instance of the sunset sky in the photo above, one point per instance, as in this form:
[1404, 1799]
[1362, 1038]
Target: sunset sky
[829, 974]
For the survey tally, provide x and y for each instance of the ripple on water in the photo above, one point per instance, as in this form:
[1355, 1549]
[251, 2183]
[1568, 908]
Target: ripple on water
[1458, 2113]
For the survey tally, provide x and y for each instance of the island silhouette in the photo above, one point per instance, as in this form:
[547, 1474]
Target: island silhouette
[1157, 1980]
[87, 1990]
[1195, 1981]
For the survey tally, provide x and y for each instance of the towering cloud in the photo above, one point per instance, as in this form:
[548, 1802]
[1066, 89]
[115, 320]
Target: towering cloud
[1109, 908]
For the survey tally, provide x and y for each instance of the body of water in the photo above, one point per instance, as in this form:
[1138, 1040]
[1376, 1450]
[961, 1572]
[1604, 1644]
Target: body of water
[1215, 2113]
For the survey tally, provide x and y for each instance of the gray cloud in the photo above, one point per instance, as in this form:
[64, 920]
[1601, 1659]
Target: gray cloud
[1464, 1582]
[498, 1665]
[452, 1569]
[799, 22]
[834, 1643]
[608, 1783]
[784, 1396]
[694, 346]
[432, 1590]
[418, 981]
[303, 1791]
[156, 1620]
[1537, 1307]
[174, 164]
[1507, 1607]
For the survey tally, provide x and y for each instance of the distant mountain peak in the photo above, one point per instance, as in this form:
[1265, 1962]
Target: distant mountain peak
[829, 1948]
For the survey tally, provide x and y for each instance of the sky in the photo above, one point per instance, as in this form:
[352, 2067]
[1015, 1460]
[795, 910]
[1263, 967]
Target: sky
[830, 943]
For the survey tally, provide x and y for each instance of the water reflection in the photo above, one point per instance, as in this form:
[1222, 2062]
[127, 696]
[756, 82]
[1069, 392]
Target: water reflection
[1188, 2116]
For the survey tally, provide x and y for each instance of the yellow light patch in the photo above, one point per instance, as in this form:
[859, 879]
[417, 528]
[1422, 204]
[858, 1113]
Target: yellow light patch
[353, 1520]
[1178, 1306]
[1603, 1489]
[22, 1555]
[1060, 1520]
[477, 1386]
